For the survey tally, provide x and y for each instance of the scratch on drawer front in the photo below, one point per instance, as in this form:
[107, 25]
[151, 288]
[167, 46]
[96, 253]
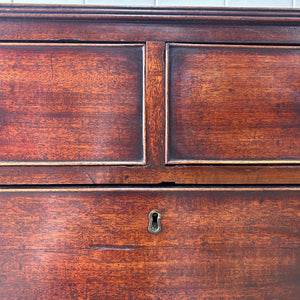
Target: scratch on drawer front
[90, 177]
[111, 247]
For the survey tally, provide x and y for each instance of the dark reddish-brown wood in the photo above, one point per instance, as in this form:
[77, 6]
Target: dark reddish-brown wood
[233, 103]
[71, 103]
[241, 242]
[182, 174]
[155, 102]
[150, 273]
[134, 135]
[33, 22]
[89, 96]
[221, 32]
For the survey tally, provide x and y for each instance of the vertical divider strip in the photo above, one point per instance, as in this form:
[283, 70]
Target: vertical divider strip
[155, 103]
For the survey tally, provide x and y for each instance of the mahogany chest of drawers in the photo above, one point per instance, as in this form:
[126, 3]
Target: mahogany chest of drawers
[149, 153]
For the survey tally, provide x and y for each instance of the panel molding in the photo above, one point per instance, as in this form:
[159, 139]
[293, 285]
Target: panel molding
[83, 162]
[170, 161]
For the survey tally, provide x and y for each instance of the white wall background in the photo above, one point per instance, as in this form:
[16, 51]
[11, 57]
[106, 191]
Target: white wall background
[174, 3]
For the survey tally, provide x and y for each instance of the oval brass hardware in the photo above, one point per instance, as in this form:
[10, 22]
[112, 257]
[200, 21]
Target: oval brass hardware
[154, 225]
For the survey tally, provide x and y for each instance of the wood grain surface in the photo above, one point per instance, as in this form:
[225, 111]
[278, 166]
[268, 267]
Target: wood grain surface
[88, 244]
[92, 108]
[180, 174]
[84, 27]
[233, 104]
[155, 80]
[71, 103]
[61, 23]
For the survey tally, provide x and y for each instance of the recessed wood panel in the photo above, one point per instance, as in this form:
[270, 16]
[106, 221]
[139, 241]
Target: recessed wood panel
[233, 104]
[71, 104]
[215, 242]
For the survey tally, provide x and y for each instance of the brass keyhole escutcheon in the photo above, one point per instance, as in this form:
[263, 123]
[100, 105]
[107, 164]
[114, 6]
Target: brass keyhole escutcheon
[154, 225]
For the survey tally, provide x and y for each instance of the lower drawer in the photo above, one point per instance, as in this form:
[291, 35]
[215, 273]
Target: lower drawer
[94, 243]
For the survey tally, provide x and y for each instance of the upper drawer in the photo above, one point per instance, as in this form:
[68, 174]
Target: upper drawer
[71, 103]
[233, 104]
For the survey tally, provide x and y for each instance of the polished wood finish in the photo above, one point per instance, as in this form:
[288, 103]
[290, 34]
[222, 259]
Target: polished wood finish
[71, 103]
[142, 140]
[94, 107]
[155, 103]
[142, 273]
[215, 242]
[180, 174]
[53, 22]
[23, 29]
[154, 13]
[233, 104]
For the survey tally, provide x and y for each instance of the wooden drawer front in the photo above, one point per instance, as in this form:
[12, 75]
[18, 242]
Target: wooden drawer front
[92, 244]
[71, 104]
[233, 104]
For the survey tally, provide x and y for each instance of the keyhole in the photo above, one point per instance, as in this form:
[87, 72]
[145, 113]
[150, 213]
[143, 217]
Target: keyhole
[154, 222]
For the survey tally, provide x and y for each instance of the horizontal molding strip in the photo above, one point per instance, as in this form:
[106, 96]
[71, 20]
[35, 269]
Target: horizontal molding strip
[151, 189]
[232, 162]
[155, 14]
